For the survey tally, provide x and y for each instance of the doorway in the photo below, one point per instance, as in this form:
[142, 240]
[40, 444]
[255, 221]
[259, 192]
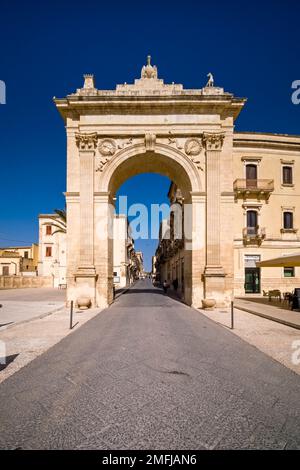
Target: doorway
[252, 280]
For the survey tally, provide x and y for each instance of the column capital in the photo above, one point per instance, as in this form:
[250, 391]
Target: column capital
[213, 140]
[86, 142]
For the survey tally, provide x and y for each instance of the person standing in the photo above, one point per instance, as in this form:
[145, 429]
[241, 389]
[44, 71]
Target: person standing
[175, 284]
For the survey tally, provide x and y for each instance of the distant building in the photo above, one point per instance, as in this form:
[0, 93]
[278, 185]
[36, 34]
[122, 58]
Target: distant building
[153, 270]
[52, 249]
[19, 260]
[170, 254]
[123, 248]
[139, 264]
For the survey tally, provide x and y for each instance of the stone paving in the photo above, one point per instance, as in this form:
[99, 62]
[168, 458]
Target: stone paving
[276, 312]
[278, 341]
[151, 373]
[20, 305]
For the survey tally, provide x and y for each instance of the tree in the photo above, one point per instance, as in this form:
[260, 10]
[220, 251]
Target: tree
[60, 222]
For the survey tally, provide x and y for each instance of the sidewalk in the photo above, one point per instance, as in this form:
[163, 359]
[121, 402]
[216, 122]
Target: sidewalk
[27, 340]
[275, 339]
[270, 312]
[23, 305]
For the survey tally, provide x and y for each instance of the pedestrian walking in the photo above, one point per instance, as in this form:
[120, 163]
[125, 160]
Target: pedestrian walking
[165, 286]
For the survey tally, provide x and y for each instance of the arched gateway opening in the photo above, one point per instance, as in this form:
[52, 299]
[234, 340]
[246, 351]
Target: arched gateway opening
[173, 164]
[153, 127]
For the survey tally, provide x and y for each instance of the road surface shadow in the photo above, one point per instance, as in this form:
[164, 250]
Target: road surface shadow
[171, 294]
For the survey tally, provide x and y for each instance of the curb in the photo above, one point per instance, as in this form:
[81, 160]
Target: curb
[269, 317]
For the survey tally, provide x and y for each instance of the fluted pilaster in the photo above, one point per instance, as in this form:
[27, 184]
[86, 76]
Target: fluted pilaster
[213, 143]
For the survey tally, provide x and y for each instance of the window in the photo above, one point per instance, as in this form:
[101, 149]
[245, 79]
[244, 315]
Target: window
[288, 220]
[5, 271]
[251, 175]
[48, 229]
[289, 272]
[287, 175]
[251, 172]
[251, 222]
[48, 251]
[26, 254]
[115, 273]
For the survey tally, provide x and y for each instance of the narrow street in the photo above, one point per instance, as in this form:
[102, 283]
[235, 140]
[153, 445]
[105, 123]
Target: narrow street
[151, 373]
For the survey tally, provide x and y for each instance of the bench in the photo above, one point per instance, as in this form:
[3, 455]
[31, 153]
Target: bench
[62, 286]
[274, 293]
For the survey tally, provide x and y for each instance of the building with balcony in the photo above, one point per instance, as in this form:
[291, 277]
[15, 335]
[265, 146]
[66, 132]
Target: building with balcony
[266, 187]
[265, 217]
[170, 253]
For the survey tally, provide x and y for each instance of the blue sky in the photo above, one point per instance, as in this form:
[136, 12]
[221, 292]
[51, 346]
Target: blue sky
[252, 49]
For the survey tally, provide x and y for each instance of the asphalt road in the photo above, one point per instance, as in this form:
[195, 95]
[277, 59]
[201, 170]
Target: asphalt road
[151, 373]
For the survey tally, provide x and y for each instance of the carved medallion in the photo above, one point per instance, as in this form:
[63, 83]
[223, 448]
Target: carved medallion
[192, 146]
[107, 147]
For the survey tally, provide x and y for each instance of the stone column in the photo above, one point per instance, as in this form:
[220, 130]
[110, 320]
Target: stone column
[213, 273]
[86, 275]
[103, 236]
[194, 255]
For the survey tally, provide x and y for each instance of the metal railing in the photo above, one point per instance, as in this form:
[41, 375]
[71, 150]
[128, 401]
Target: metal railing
[258, 233]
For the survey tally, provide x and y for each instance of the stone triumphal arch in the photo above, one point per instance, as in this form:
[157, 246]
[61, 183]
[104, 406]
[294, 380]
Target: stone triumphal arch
[149, 126]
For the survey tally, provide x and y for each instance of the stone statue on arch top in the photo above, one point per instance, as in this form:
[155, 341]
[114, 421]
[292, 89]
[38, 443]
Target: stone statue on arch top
[149, 71]
[210, 82]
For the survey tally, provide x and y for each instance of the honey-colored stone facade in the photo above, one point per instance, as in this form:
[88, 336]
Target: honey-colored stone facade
[186, 135]
[270, 153]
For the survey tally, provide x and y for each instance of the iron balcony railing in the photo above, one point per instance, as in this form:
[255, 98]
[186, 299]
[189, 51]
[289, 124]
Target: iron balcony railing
[254, 234]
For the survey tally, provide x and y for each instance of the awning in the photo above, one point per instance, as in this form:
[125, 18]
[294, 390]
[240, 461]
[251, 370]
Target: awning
[286, 261]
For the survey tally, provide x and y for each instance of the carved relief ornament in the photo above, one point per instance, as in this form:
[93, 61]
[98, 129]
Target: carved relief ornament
[101, 164]
[150, 140]
[192, 147]
[213, 140]
[107, 147]
[86, 141]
